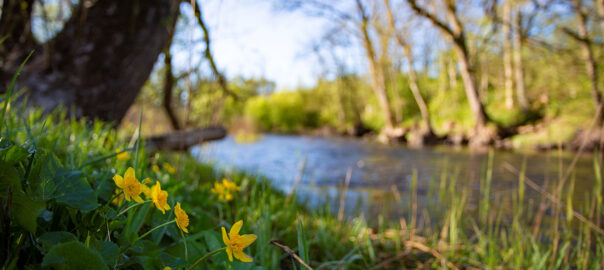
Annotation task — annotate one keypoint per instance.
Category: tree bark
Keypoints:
(413, 85)
(452, 72)
(222, 81)
(518, 65)
(15, 30)
(454, 30)
(101, 58)
(507, 56)
(167, 90)
(183, 140)
(375, 69)
(590, 62)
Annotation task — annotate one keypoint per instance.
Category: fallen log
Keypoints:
(183, 139)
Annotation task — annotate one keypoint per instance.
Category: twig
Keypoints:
(291, 253)
(432, 251)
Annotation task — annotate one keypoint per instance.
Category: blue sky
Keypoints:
(251, 39)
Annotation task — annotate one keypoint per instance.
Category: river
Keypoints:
(381, 174)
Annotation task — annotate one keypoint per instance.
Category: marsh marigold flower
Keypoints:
(222, 192)
(122, 156)
(169, 167)
(130, 185)
(182, 219)
(230, 185)
(236, 243)
(155, 168)
(160, 198)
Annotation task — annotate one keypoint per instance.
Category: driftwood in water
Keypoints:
(184, 139)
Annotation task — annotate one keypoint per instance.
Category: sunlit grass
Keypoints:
(61, 190)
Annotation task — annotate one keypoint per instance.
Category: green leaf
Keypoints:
(73, 255)
(50, 239)
(110, 252)
(14, 154)
(212, 240)
(69, 187)
(24, 210)
(302, 245)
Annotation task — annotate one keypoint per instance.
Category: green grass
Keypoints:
(56, 190)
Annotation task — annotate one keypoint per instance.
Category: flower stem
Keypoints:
(205, 257)
(184, 239)
(130, 207)
(150, 231)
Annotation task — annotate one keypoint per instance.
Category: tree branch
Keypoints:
(208, 54)
(424, 13)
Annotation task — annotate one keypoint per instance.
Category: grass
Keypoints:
(56, 193)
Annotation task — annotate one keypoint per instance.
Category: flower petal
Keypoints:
(247, 239)
(235, 229)
(229, 253)
(225, 239)
(138, 199)
(242, 256)
(119, 181)
(127, 196)
(167, 207)
(130, 173)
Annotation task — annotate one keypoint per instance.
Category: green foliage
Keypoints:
(56, 178)
(285, 112)
(73, 255)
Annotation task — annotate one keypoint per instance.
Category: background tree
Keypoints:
(454, 31)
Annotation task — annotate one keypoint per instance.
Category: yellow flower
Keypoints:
(160, 198)
(155, 168)
(236, 243)
(222, 192)
(167, 268)
(230, 185)
(169, 167)
(122, 156)
(130, 185)
(182, 220)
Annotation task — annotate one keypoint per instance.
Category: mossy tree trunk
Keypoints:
(100, 60)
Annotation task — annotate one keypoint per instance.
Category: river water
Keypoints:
(380, 174)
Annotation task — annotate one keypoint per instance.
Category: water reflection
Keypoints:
(381, 175)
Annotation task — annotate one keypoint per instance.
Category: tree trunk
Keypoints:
(375, 69)
(101, 58)
(452, 73)
(442, 75)
(507, 56)
(469, 81)
(168, 87)
(519, 69)
(413, 85)
(15, 29)
(454, 31)
(590, 63)
(417, 95)
(184, 139)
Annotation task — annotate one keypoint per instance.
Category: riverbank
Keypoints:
(58, 187)
(536, 137)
